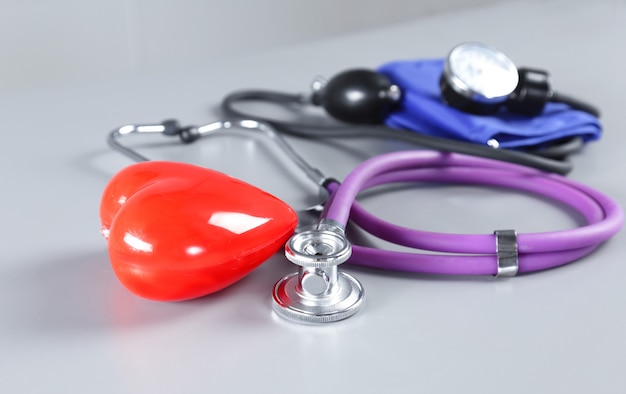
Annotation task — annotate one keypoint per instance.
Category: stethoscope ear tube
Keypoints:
(537, 251)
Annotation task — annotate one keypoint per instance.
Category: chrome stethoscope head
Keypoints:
(319, 292)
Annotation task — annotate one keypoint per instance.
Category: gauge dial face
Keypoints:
(476, 69)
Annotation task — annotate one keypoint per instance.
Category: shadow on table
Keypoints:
(80, 294)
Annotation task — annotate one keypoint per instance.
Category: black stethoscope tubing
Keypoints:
(548, 159)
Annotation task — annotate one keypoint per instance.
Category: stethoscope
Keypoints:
(319, 292)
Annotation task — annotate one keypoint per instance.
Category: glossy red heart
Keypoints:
(177, 231)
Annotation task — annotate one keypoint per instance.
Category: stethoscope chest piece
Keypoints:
(318, 292)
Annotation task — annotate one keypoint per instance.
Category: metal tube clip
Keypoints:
(507, 253)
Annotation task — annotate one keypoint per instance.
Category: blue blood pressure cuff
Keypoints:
(421, 109)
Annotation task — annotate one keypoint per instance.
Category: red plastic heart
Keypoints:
(177, 231)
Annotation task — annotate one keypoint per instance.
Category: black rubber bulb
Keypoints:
(358, 96)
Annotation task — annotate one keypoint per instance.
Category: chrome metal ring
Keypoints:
(290, 301)
(507, 253)
(318, 249)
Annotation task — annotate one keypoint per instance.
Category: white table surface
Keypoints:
(68, 326)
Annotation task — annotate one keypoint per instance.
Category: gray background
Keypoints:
(67, 325)
(64, 40)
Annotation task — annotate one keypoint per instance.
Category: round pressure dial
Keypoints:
(477, 77)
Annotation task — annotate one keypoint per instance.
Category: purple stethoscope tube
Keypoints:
(469, 254)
